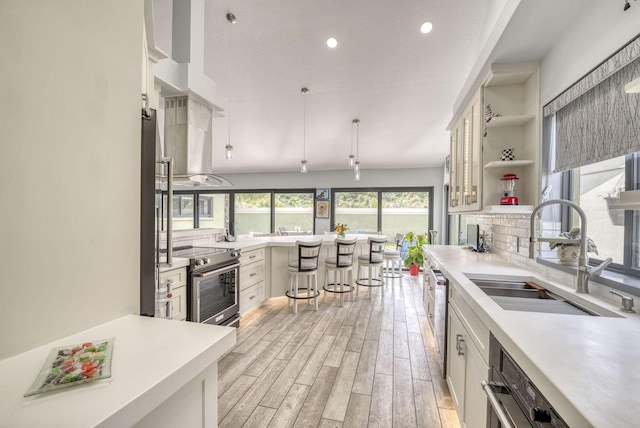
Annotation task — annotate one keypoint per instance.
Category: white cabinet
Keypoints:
(465, 172)
(513, 92)
(429, 291)
(252, 279)
(176, 280)
(468, 342)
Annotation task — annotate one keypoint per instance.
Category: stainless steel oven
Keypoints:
(515, 402)
(212, 284)
(214, 295)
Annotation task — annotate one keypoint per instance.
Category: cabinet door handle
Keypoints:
(253, 257)
(253, 274)
(459, 344)
(252, 297)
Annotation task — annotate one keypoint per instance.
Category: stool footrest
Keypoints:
(348, 288)
(370, 282)
(299, 297)
(392, 275)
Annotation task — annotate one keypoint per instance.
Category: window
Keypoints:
(390, 211)
(183, 211)
(596, 188)
(252, 213)
(294, 211)
(358, 210)
(213, 210)
(404, 212)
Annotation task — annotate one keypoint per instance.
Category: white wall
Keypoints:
(594, 35)
(409, 177)
(69, 168)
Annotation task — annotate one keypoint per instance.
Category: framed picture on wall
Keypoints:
(322, 209)
(322, 194)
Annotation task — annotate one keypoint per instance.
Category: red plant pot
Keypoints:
(414, 270)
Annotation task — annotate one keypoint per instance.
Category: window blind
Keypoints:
(595, 119)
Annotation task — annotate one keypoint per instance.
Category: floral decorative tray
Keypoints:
(74, 365)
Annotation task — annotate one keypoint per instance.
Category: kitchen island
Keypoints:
(163, 374)
(586, 366)
(281, 249)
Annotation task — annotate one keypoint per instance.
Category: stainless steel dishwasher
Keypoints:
(441, 285)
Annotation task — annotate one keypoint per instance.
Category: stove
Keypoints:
(212, 284)
(207, 258)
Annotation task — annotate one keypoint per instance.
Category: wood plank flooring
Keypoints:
(370, 363)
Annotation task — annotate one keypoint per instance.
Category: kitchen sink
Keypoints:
(515, 295)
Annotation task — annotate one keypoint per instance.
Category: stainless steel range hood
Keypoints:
(188, 141)
(189, 101)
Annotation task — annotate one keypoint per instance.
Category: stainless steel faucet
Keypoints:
(584, 270)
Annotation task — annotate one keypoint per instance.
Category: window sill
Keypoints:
(619, 281)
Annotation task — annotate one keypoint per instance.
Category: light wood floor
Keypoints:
(368, 363)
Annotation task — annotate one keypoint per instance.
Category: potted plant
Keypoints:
(568, 253)
(415, 254)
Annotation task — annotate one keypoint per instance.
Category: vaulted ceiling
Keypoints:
(401, 84)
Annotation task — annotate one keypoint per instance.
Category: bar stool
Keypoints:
(340, 266)
(373, 263)
(392, 259)
(306, 266)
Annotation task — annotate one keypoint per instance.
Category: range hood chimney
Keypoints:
(187, 140)
(188, 100)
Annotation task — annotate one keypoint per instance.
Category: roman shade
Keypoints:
(595, 118)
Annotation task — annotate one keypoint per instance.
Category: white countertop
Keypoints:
(290, 241)
(152, 359)
(587, 367)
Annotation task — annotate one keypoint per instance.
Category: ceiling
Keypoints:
(401, 84)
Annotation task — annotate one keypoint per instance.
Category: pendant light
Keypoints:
(356, 166)
(352, 158)
(228, 149)
(303, 163)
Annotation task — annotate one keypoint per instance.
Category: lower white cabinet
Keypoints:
(252, 275)
(466, 369)
(177, 280)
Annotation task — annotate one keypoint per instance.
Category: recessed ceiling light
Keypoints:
(332, 42)
(426, 27)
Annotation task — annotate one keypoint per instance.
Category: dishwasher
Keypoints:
(441, 285)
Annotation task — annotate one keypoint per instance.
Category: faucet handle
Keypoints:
(627, 302)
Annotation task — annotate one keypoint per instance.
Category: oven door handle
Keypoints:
(216, 271)
(495, 404)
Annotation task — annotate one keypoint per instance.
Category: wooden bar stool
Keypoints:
(340, 265)
(306, 266)
(373, 263)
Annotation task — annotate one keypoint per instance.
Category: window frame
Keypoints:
(632, 182)
(380, 191)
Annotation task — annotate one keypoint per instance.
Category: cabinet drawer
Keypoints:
(178, 277)
(251, 256)
(251, 297)
(251, 274)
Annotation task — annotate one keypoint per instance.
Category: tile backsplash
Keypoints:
(508, 236)
(193, 237)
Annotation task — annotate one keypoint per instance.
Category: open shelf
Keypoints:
(509, 164)
(508, 209)
(514, 120)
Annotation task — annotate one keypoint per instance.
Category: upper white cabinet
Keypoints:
(465, 171)
(513, 92)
